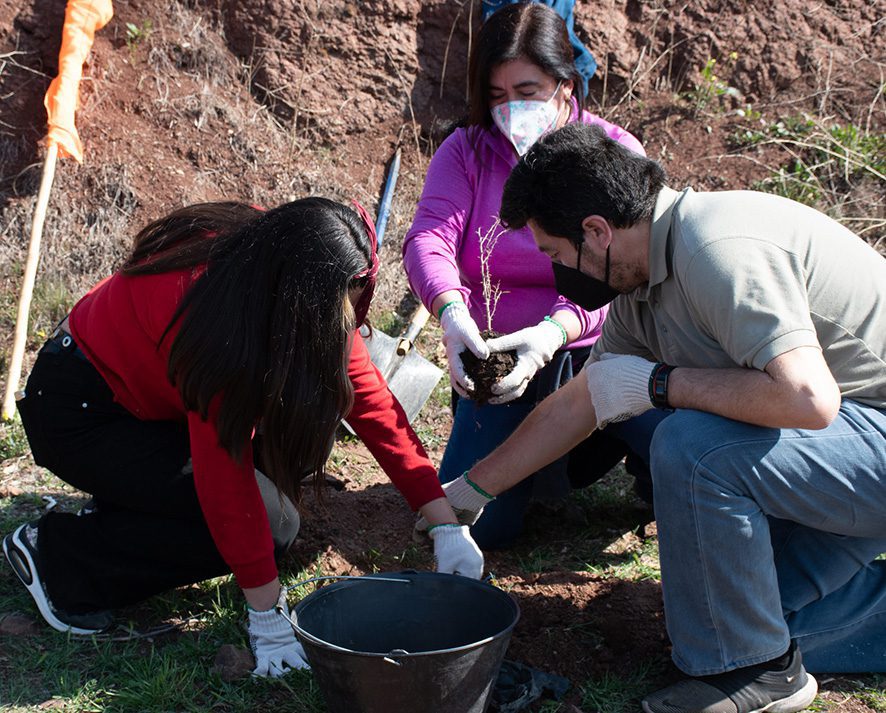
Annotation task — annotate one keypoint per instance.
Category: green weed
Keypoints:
(539, 559)
(838, 168)
(389, 322)
(429, 435)
(52, 301)
(871, 691)
(13, 441)
(441, 396)
(711, 88)
(137, 34)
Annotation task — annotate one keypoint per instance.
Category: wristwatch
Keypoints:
(658, 385)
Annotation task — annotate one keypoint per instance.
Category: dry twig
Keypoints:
(491, 293)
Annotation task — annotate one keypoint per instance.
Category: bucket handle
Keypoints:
(303, 582)
(395, 652)
(282, 605)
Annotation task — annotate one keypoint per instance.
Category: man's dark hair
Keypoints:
(575, 172)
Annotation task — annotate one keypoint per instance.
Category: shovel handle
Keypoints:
(418, 321)
(384, 208)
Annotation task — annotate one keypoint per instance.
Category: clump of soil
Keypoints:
(485, 372)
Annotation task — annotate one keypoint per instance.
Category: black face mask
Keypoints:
(586, 291)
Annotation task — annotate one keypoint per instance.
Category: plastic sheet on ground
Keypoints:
(518, 685)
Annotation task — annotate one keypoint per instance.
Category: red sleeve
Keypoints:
(231, 504)
(380, 422)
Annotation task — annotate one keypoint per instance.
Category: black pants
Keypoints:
(148, 534)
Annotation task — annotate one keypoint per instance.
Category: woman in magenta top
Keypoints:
(190, 393)
(523, 82)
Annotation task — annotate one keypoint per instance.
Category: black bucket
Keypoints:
(409, 642)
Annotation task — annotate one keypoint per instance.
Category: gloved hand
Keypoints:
(455, 551)
(273, 643)
(619, 387)
(465, 499)
(460, 332)
(535, 347)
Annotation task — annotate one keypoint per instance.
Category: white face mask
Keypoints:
(523, 122)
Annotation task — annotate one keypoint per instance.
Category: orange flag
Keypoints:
(82, 19)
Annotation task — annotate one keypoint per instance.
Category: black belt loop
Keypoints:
(61, 341)
(60, 328)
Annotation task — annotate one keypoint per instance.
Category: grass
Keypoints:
(600, 530)
(390, 322)
(166, 673)
(618, 694)
(109, 676)
(173, 672)
(838, 168)
(170, 672)
(638, 563)
(834, 694)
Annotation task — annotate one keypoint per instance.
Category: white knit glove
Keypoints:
(274, 644)
(460, 332)
(619, 387)
(465, 499)
(455, 551)
(535, 347)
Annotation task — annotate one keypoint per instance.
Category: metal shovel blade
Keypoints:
(412, 378)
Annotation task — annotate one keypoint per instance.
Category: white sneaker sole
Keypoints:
(19, 558)
(797, 702)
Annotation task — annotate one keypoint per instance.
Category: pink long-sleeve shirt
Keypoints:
(459, 203)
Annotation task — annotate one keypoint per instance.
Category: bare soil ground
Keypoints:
(263, 100)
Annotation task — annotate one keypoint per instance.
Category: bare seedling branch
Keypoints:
(491, 293)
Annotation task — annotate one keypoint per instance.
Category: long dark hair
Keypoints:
(531, 31)
(266, 327)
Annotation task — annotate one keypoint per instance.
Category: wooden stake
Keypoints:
(24, 303)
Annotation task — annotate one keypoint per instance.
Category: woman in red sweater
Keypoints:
(190, 393)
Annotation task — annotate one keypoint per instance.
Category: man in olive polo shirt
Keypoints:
(758, 327)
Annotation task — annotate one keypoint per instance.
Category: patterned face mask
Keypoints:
(523, 122)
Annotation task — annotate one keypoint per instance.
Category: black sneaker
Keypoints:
(20, 549)
(745, 690)
(88, 508)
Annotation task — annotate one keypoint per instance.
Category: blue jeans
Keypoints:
(479, 430)
(767, 535)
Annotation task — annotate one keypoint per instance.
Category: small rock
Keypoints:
(16, 624)
(232, 662)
